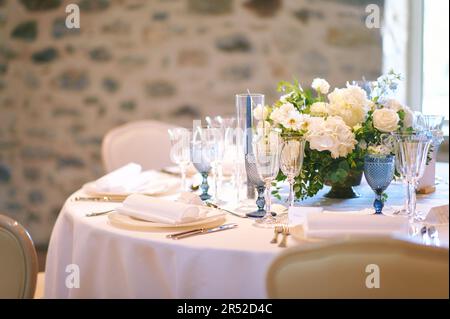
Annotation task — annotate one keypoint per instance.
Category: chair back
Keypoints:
(360, 269)
(18, 261)
(144, 142)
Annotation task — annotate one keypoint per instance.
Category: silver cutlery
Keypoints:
(285, 232)
(212, 205)
(276, 232)
(113, 199)
(99, 213)
(203, 231)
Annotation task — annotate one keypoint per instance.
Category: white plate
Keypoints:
(130, 223)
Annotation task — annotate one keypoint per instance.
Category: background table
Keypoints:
(117, 263)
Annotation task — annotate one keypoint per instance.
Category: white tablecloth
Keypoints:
(117, 263)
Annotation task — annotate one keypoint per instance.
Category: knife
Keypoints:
(209, 204)
(203, 231)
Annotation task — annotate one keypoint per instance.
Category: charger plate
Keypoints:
(131, 223)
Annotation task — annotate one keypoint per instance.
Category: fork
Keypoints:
(99, 213)
(285, 232)
(276, 232)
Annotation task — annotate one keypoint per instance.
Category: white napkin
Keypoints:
(160, 210)
(131, 179)
(325, 225)
(189, 198)
(121, 180)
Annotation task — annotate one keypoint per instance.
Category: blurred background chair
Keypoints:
(144, 142)
(18, 261)
(338, 270)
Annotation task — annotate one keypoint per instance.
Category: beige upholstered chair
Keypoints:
(346, 269)
(18, 261)
(144, 142)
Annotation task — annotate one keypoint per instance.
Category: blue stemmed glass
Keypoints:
(379, 172)
(203, 151)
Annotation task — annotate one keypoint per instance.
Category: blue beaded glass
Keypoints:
(379, 172)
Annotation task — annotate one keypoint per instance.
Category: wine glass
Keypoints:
(217, 165)
(267, 147)
(291, 160)
(379, 172)
(203, 152)
(180, 139)
(413, 149)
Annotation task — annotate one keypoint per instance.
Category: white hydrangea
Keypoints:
(330, 134)
(350, 103)
(321, 86)
(319, 109)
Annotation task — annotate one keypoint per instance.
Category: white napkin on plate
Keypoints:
(121, 180)
(131, 179)
(161, 211)
(324, 225)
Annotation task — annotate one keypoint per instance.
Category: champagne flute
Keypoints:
(267, 147)
(180, 151)
(291, 160)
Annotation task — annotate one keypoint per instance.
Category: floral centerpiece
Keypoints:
(340, 128)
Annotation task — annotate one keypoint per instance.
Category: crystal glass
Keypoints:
(180, 154)
(413, 149)
(219, 152)
(291, 160)
(379, 172)
(267, 147)
(246, 105)
(203, 153)
(398, 167)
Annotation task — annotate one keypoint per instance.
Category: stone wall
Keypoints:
(61, 90)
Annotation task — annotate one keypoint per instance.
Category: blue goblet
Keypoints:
(379, 172)
(203, 151)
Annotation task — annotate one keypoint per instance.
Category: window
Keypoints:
(435, 58)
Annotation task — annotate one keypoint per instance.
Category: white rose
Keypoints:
(330, 134)
(319, 109)
(395, 105)
(351, 104)
(386, 120)
(260, 113)
(321, 86)
(408, 121)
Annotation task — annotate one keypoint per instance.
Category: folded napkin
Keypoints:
(326, 225)
(121, 180)
(161, 211)
(131, 179)
(189, 198)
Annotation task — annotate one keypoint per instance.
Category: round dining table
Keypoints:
(88, 257)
